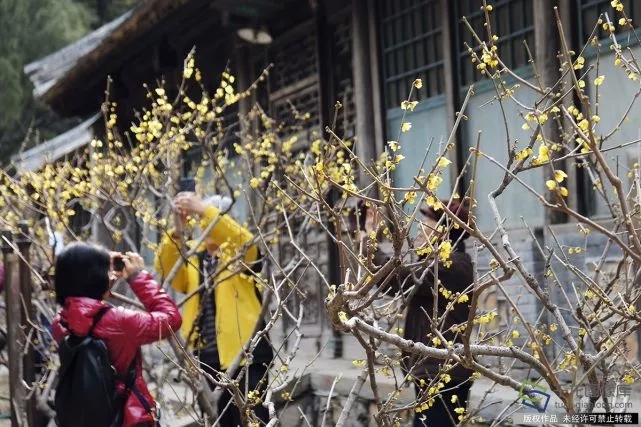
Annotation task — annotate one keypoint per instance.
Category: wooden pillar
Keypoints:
(567, 10)
(547, 48)
(27, 319)
(248, 125)
(377, 80)
(361, 65)
(450, 72)
(13, 309)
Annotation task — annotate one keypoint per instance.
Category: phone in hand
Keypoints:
(187, 185)
(118, 264)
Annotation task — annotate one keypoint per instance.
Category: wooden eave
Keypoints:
(88, 62)
(88, 56)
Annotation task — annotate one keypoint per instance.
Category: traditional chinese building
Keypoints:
(365, 54)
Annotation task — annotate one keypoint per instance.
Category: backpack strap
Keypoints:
(94, 322)
(130, 385)
(97, 317)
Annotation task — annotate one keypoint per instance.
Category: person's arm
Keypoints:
(166, 256)
(162, 316)
(57, 331)
(228, 233)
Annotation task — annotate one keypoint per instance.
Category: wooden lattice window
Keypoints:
(591, 10)
(511, 20)
(411, 38)
(293, 81)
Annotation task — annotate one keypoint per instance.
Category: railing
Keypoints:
(21, 325)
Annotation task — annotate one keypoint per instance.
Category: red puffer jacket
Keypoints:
(124, 332)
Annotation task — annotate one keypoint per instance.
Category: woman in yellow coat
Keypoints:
(219, 319)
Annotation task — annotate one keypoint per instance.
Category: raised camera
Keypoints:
(118, 263)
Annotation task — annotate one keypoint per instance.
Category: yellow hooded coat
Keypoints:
(237, 303)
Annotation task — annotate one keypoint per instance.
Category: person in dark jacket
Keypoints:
(83, 278)
(455, 277)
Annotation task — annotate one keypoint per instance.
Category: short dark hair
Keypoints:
(82, 270)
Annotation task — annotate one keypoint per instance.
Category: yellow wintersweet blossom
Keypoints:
(433, 181)
(559, 175)
(486, 318)
(543, 155)
(564, 191)
(406, 126)
(599, 80)
(393, 145)
(446, 293)
(489, 57)
(551, 184)
(583, 125)
(444, 162)
(410, 197)
(445, 251)
(189, 67)
(418, 83)
(254, 182)
(541, 118)
(580, 62)
(409, 105)
(608, 27)
(524, 154)
(617, 5)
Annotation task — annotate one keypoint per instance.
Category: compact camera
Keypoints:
(118, 264)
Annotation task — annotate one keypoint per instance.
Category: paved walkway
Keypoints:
(338, 376)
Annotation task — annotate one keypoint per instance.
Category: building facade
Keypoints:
(366, 54)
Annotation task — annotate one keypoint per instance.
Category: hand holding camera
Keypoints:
(127, 264)
(187, 202)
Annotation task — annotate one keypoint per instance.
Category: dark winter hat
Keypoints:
(455, 207)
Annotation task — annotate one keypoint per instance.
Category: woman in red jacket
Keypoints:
(83, 277)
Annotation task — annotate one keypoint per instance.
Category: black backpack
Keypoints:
(86, 393)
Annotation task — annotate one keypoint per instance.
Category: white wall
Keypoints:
(616, 93)
(485, 116)
(429, 124)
